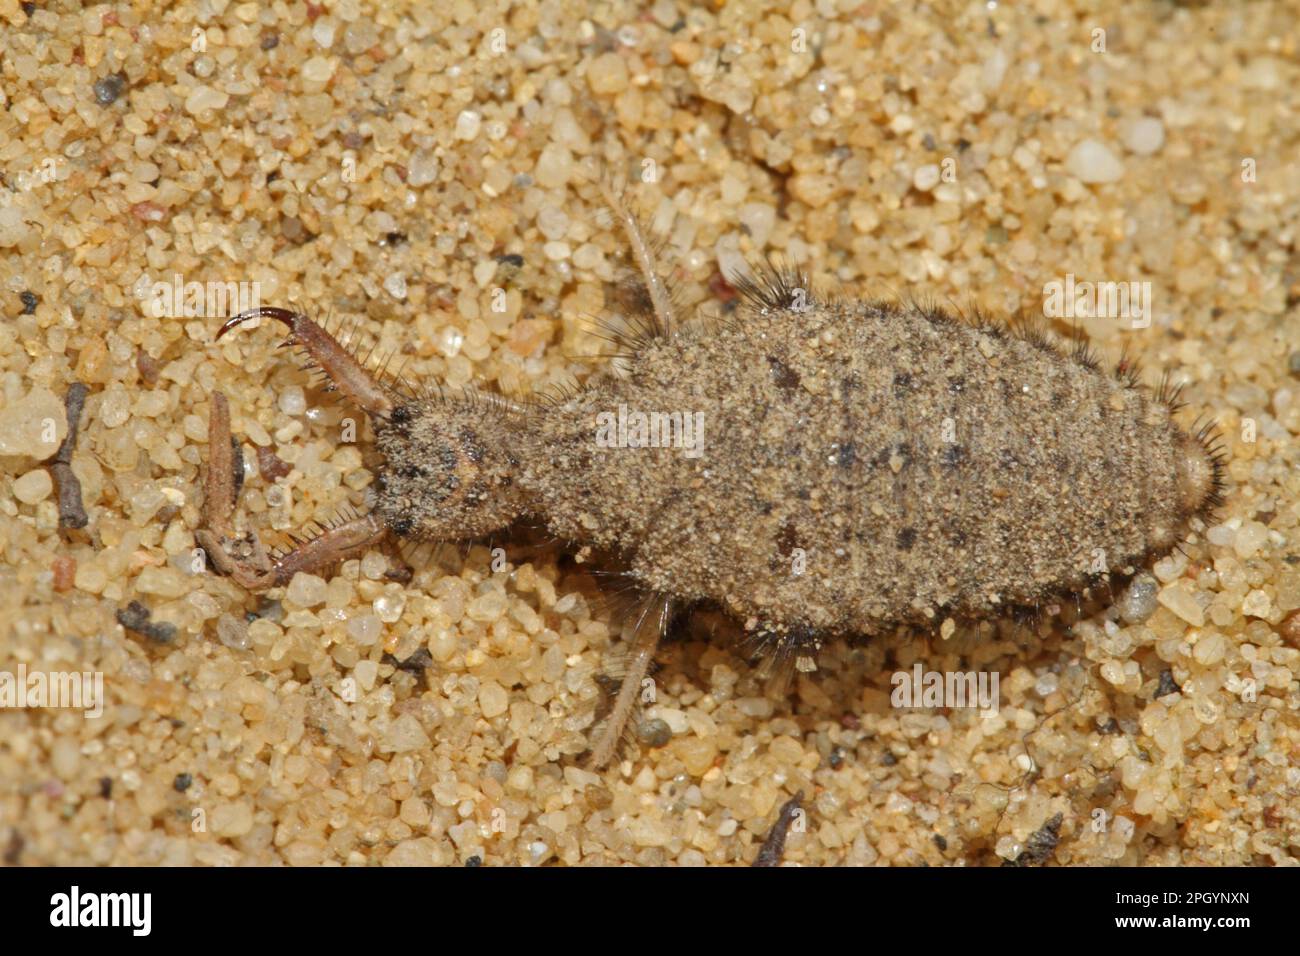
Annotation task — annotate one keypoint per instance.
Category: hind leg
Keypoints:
(784, 648)
(651, 624)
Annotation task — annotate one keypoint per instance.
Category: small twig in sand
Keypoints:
(72, 513)
(770, 853)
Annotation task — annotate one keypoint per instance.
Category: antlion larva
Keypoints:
(832, 468)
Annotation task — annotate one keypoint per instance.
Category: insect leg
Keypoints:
(343, 540)
(219, 487)
(243, 557)
(644, 255)
(651, 625)
(783, 649)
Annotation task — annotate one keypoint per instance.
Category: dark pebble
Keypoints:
(269, 464)
(182, 782)
(417, 663)
(1041, 844)
(654, 732)
(268, 609)
(14, 849)
(29, 302)
(148, 367)
(135, 617)
(108, 89)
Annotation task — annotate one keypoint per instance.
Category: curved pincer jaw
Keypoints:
(340, 366)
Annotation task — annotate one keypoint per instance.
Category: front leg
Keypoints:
(243, 557)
